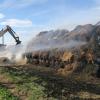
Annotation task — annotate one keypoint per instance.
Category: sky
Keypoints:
(28, 17)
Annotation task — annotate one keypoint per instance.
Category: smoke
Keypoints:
(54, 39)
(68, 45)
(12, 54)
(48, 40)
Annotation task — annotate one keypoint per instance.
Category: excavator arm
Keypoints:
(13, 34)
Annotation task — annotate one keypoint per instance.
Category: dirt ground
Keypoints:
(31, 82)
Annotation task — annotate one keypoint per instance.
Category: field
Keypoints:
(30, 82)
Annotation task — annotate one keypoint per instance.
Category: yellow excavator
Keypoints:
(13, 34)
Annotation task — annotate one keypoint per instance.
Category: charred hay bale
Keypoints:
(28, 56)
(86, 57)
(50, 58)
(36, 58)
(90, 56)
(44, 56)
(98, 72)
(32, 57)
(40, 58)
(82, 58)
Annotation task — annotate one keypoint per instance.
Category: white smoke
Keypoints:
(47, 41)
(14, 54)
(60, 39)
(44, 41)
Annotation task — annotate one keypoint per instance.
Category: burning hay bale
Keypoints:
(68, 57)
(51, 58)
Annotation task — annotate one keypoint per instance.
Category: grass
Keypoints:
(6, 95)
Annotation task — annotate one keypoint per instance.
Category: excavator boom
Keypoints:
(13, 34)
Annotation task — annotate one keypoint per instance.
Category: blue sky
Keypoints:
(28, 17)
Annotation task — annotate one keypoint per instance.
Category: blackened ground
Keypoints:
(30, 82)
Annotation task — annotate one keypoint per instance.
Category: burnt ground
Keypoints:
(33, 82)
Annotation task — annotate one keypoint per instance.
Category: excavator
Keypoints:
(13, 34)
